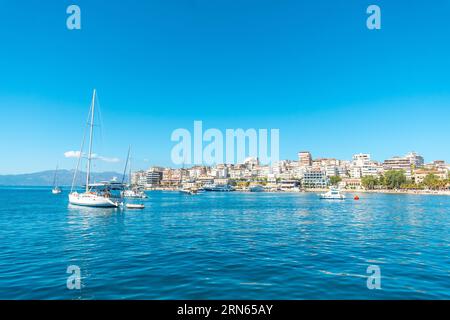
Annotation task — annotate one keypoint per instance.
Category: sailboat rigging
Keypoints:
(95, 194)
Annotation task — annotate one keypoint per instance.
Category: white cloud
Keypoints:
(76, 154)
(72, 154)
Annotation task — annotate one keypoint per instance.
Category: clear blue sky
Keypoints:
(310, 68)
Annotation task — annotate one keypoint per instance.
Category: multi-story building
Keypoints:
(415, 159)
(439, 164)
(263, 171)
(398, 163)
(304, 159)
(196, 171)
(315, 178)
(251, 162)
(350, 183)
(420, 174)
(139, 178)
(331, 171)
(154, 177)
(362, 166)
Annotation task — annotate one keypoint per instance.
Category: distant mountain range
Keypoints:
(64, 178)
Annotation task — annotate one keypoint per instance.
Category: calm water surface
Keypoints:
(224, 246)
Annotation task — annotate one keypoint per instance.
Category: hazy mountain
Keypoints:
(64, 178)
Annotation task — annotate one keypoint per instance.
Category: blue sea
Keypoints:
(225, 246)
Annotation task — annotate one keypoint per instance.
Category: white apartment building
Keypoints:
(362, 166)
(415, 159)
(139, 178)
(398, 163)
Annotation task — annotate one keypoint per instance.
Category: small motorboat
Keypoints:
(333, 194)
(218, 187)
(190, 191)
(135, 206)
(256, 188)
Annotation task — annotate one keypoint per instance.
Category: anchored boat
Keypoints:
(103, 195)
(135, 206)
(218, 188)
(333, 194)
(256, 188)
(56, 189)
(132, 192)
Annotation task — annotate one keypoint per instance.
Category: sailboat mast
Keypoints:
(126, 165)
(91, 132)
(54, 177)
(129, 175)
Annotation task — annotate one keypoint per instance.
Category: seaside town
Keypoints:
(408, 173)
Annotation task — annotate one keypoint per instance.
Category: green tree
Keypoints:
(334, 180)
(433, 182)
(382, 181)
(394, 179)
(369, 182)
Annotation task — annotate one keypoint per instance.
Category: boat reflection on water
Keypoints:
(87, 221)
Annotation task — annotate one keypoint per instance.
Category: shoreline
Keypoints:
(319, 190)
(355, 191)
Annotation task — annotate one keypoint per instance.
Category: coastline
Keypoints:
(355, 191)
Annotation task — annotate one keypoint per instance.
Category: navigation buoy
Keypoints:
(356, 198)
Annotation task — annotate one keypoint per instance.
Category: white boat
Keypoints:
(56, 189)
(190, 191)
(93, 199)
(333, 194)
(95, 195)
(133, 192)
(218, 188)
(135, 206)
(256, 188)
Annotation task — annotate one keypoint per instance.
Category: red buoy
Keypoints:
(356, 198)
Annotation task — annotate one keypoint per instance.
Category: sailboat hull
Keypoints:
(92, 200)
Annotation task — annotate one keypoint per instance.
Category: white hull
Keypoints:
(332, 198)
(56, 191)
(135, 206)
(256, 189)
(333, 194)
(92, 200)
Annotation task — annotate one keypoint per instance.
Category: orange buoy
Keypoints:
(356, 198)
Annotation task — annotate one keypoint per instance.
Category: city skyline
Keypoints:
(407, 172)
(330, 85)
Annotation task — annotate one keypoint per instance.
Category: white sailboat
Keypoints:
(95, 195)
(131, 191)
(56, 189)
